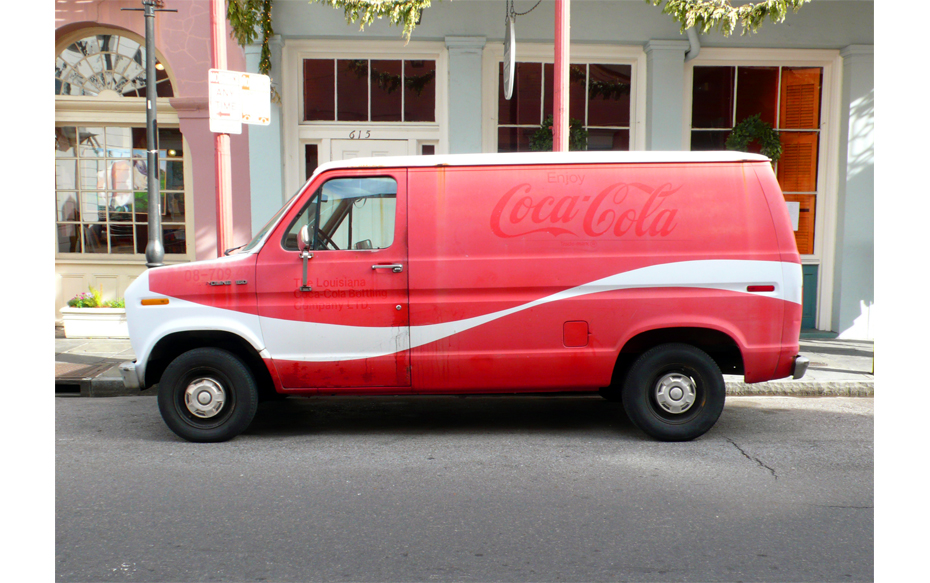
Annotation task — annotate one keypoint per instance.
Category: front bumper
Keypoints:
(131, 375)
(799, 367)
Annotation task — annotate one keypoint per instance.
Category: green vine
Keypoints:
(753, 129)
(705, 15)
(541, 140)
(248, 18)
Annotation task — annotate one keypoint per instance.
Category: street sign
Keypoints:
(237, 98)
(256, 98)
(225, 102)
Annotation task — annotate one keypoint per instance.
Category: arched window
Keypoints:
(107, 62)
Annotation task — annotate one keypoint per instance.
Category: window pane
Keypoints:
(95, 238)
(514, 139)
(386, 91)
(319, 90)
(800, 98)
(355, 213)
(712, 97)
(352, 90)
(65, 140)
(576, 97)
(797, 167)
(174, 239)
(173, 174)
(120, 175)
(311, 160)
(599, 139)
(119, 142)
(140, 144)
(704, 140)
(120, 206)
(757, 92)
(524, 105)
(68, 240)
(609, 95)
(173, 210)
(170, 143)
(66, 206)
(121, 239)
(93, 174)
(419, 90)
(142, 237)
(66, 174)
(94, 206)
(90, 142)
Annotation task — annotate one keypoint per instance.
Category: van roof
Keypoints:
(515, 159)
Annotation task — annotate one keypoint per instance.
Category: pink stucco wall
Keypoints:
(184, 44)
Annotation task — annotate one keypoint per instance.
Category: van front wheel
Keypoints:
(207, 394)
(674, 392)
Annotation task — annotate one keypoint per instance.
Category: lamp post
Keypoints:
(560, 83)
(154, 249)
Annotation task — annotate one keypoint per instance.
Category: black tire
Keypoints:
(674, 392)
(210, 373)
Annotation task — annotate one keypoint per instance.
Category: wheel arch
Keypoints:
(721, 346)
(175, 344)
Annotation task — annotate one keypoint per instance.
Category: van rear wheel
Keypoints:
(674, 392)
(207, 395)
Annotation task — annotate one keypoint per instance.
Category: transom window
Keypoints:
(102, 62)
(599, 97)
(369, 90)
(788, 98)
(101, 190)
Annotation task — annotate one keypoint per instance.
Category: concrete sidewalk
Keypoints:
(88, 367)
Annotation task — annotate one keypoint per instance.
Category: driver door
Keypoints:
(339, 318)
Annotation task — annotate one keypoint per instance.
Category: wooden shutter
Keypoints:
(797, 167)
(800, 98)
(804, 236)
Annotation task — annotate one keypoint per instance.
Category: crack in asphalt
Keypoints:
(754, 459)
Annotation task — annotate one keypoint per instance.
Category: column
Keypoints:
(854, 276)
(266, 157)
(465, 93)
(665, 78)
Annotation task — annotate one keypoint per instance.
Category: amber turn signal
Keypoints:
(155, 302)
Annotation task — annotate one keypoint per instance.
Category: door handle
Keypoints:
(395, 267)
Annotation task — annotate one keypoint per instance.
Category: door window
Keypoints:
(352, 214)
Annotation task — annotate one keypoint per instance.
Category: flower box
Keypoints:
(95, 322)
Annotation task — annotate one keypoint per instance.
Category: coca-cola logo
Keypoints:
(619, 209)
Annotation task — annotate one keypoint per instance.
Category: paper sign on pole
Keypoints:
(225, 104)
(256, 98)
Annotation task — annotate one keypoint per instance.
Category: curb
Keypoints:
(802, 389)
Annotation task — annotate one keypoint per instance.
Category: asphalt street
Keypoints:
(466, 489)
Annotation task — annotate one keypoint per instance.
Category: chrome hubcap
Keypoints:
(675, 393)
(204, 397)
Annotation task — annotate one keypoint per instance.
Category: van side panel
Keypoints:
(502, 258)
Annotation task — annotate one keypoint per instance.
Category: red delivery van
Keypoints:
(645, 276)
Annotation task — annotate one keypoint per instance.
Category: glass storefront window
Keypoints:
(101, 190)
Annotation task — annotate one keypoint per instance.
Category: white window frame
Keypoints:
(297, 132)
(827, 191)
(578, 54)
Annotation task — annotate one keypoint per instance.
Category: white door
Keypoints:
(346, 149)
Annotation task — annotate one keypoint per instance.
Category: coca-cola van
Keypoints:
(644, 276)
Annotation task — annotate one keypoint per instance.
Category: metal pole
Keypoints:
(155, 250)
(221, 141)
(560, 83)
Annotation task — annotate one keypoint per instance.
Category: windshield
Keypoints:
(271, 223)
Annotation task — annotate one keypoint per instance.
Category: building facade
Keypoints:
(636, 83)
(101, 174)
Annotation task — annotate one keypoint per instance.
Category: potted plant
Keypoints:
(541, 140)
(89, 316)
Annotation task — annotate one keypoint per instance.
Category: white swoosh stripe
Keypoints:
(313, 342)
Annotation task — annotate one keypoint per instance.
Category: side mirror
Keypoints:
(303, 239)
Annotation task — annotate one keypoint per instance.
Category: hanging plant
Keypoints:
(753, 129)
(541, 140)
